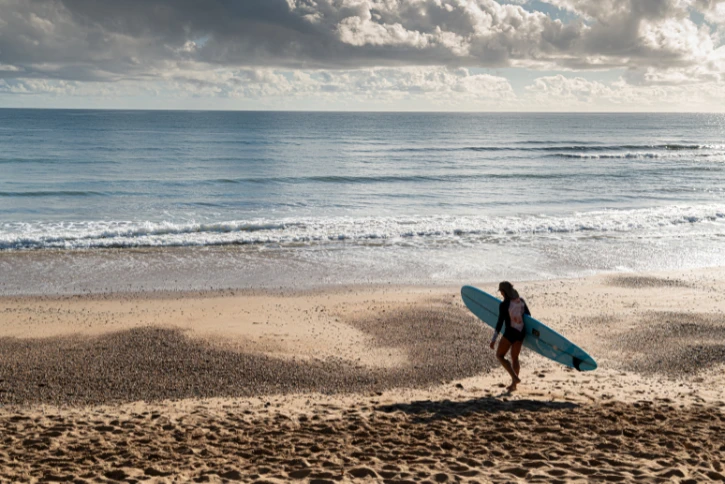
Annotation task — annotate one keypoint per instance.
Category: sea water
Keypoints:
(140, 200)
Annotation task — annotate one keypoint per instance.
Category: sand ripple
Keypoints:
(479, 440)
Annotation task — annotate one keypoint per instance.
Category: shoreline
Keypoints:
(321, 287)
(216, 269)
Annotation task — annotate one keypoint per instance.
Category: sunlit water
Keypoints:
(110, 200)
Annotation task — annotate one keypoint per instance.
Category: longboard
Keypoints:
(539, 337)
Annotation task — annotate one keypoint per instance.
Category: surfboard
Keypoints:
(539, 337)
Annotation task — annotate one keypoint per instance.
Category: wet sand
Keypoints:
(363, 384)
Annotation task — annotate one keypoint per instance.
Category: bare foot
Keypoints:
(514, 384)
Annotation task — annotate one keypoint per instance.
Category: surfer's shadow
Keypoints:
(428, 410)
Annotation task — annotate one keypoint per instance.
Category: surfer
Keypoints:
(511, 313)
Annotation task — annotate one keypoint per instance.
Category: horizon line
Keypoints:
(335, 111)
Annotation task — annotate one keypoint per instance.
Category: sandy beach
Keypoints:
(363, 384)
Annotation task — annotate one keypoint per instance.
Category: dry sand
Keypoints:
(363, 384)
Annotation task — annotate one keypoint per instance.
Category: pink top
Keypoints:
(516, 313)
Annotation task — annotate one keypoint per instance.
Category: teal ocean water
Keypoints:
(256, 199)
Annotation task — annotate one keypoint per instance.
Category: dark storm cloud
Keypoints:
(132, 39)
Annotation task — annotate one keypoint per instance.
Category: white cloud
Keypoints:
(362, 31)
(678, 40)
(415, 88)
(576, 93)
(433, 86)
(40, 86)
(363, 50)
(713, 10)
(100, 39)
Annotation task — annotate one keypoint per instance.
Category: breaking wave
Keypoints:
(363, 231)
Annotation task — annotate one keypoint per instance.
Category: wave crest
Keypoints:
(363, 231)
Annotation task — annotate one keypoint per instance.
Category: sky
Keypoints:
(364, 55)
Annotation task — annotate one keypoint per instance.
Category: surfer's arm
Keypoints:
(499, 324)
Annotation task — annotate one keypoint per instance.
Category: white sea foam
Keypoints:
(303, 232)
(640, 155)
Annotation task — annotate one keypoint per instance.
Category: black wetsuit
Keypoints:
(510, 333)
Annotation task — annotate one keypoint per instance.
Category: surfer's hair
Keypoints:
(508, 290)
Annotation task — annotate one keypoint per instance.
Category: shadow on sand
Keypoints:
(428, 410)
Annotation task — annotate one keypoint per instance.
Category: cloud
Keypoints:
(552, 92)
(713, 10)
(414, 88)
(372, 88)
(365, 52)
(110, 40)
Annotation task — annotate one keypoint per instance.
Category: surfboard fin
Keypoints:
(577, 362)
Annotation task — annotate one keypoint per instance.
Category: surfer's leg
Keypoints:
(515, 350)
(503, 348)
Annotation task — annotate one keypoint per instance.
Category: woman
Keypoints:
(511, 313)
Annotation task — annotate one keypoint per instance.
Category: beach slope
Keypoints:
(368, 384)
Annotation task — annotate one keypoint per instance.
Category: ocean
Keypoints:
(97, 200)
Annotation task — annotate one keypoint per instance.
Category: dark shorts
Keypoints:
(513, 336)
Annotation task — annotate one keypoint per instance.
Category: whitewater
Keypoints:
(250, 199)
